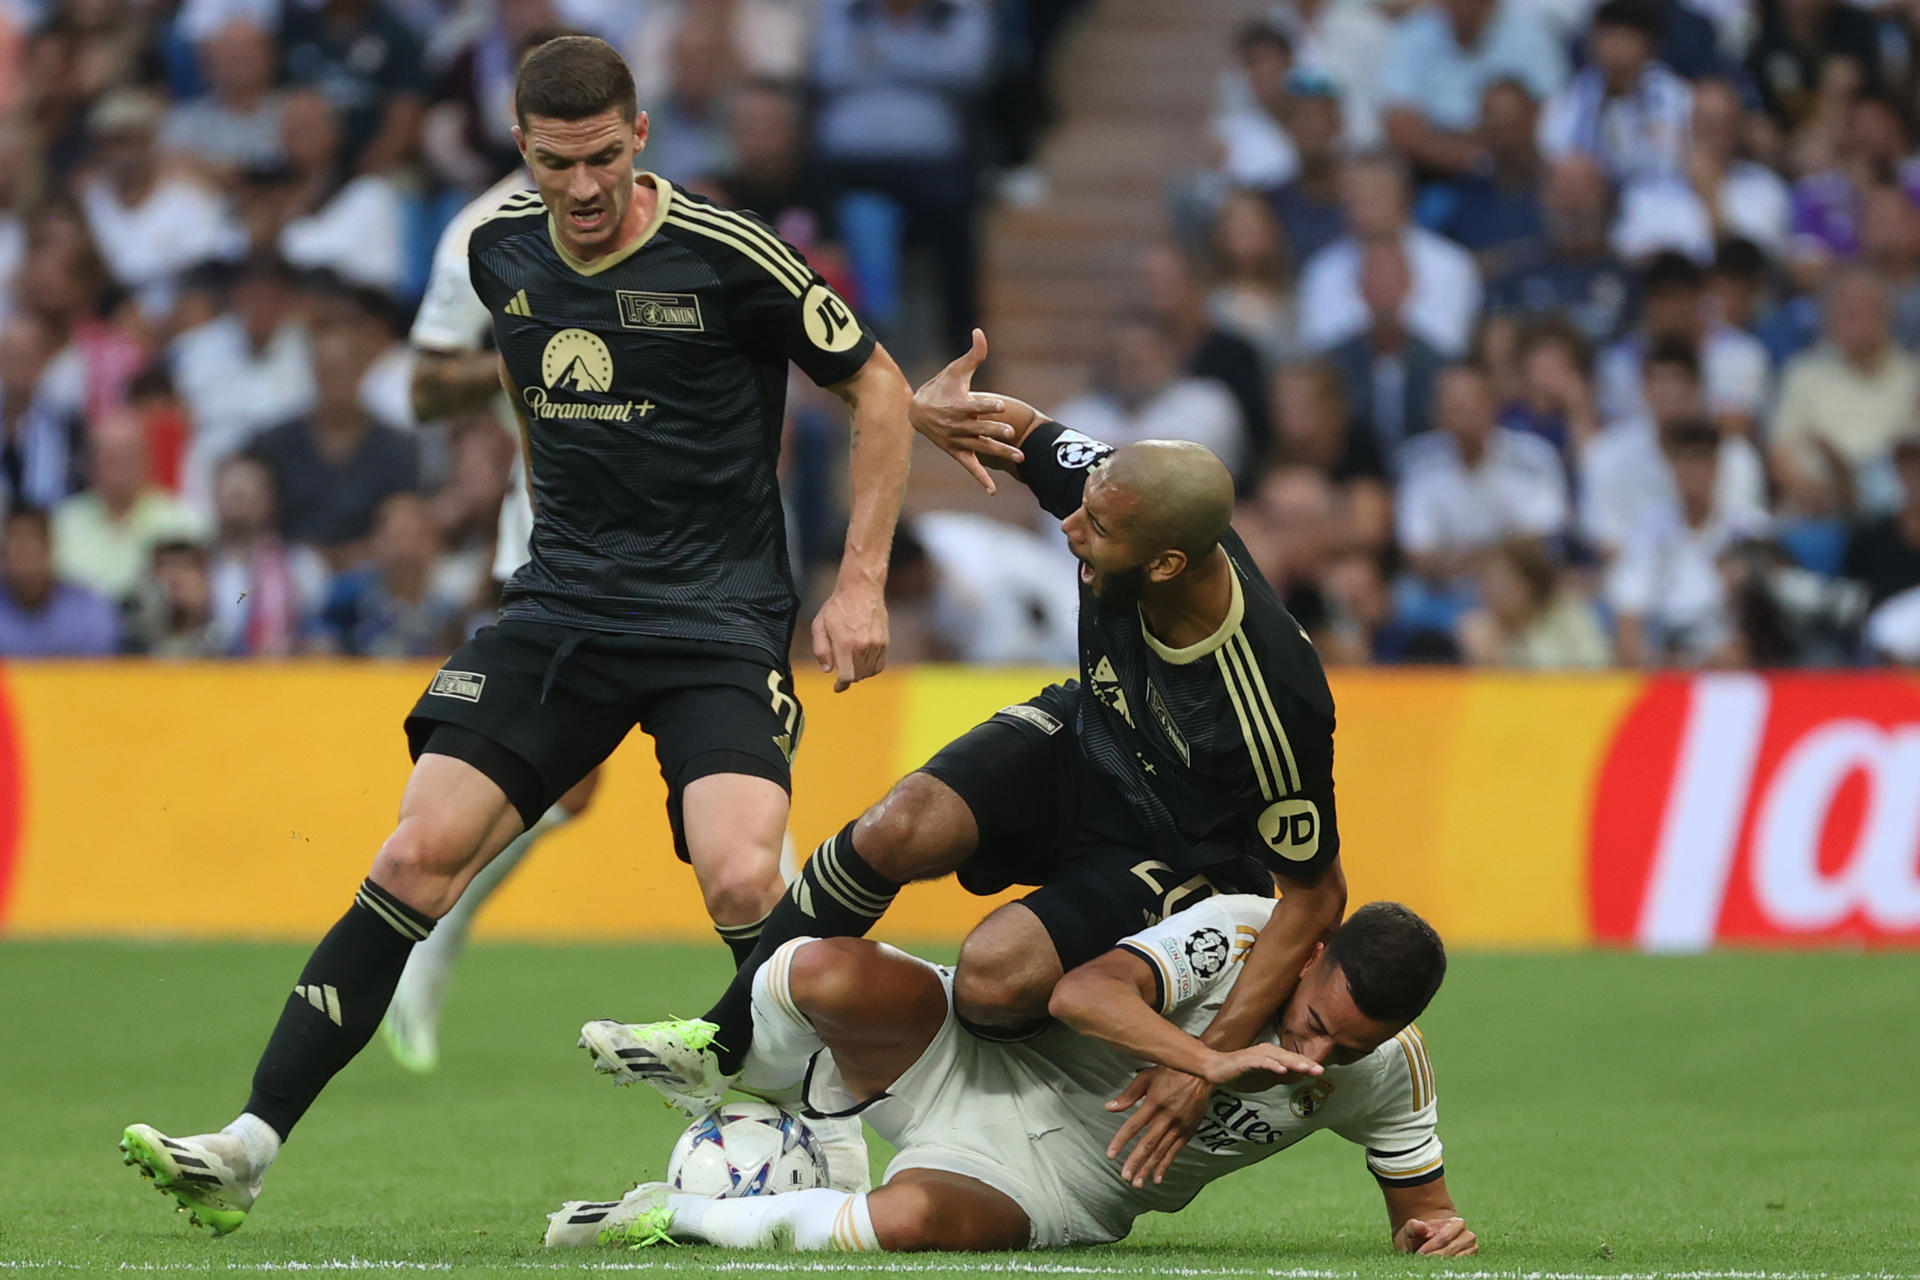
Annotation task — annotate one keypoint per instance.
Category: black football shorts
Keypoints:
(1046, 819)
(537, 707)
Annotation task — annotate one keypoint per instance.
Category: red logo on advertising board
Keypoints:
(1747, 808)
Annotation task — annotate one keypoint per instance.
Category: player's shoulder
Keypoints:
(1191, 948)
(739, 245)
(512, 213)
(1399, 1069)
(511, 191)
(1270, 639)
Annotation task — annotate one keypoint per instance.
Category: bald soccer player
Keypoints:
(1193, 757)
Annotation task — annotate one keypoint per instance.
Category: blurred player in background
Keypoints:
(645, 336)
(1011, 1146)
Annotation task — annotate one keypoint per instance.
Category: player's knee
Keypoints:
(904, 836)
(907, 1218)
(422, 862)
(741, 890)
(998, 987)
(824, 976)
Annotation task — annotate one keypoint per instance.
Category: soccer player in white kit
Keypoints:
(1018, 1145)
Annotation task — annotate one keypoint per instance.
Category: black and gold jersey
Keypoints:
(653, 383)
(1222, 748)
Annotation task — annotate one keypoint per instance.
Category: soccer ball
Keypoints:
(746, 1149)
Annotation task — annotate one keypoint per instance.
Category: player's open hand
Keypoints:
(1259, 1067)
(948, 411)
(1170, 1105)
(1436, 1237)
(850, 634)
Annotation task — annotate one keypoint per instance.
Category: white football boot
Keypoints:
(676, 1057)
(639, 1218)
(208, 1174)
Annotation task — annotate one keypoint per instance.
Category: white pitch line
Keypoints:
(848, 1267)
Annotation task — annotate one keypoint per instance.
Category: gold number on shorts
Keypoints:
(1173, 897)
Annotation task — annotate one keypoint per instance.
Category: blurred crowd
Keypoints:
(1542, 333)
(217, 217)
(1556, 333)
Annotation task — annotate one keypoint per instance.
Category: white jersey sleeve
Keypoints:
(1194, 954)
(1398, 1128)
(451, 316)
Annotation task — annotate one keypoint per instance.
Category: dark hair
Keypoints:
(1670, 270)
(1740, 259)
(1393, 960)
(1694, 437)
(1555, 330)
(1675, 351)
(1253, 34)
(573, 77)
(1640, 15)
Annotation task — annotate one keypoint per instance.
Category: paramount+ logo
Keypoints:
(1745, 808)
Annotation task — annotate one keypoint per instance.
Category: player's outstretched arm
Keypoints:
(1424, 1220)
(977, 429)
(850, 631)
(1111, 998)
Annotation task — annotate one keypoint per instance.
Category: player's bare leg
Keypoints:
(877, 1010)
(1008, 968)
(411, 1028)
(453, 820)
(736, 827)
(923, 1209)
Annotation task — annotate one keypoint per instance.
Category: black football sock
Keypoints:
(343, 993)
(740, 939)
(836, 895)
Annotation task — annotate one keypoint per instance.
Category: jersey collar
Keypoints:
(619, 256)
(1199, 649)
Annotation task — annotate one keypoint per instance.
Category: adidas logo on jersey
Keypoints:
(517, 305)
(325, 999)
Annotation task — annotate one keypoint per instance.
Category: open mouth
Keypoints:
(588, 219)
(1086, 573)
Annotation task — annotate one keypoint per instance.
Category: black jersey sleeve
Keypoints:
(1058, 460)
(779, 306)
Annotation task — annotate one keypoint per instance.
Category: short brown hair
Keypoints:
(572, 78)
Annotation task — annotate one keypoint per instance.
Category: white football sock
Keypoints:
(804, 1221)
(423, 984)
(257, 1139)
(783, 1039)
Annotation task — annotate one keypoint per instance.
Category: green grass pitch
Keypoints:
(1605, 1115)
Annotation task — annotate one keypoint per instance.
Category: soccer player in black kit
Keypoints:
(644, 336)
(1194, 756)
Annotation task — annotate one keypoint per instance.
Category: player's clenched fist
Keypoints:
(1436, 1237)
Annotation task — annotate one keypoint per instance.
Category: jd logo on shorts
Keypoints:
(464, 685)
(1291, 829)
(640, 310)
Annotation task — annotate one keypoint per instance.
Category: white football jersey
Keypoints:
(1383, 1103)
(452, 320)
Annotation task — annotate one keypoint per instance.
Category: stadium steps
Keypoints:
(1136, 80)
